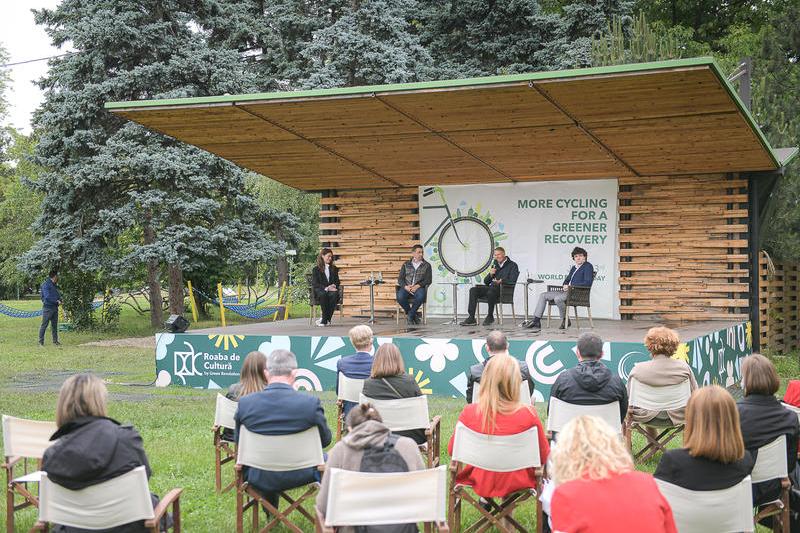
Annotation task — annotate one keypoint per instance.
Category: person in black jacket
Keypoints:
(390, 381)
(496, 344)
(325, 283)
(713, 456)
(591, 382)
(413, 280)
(504, 272)
(89, 447)
(764, 419)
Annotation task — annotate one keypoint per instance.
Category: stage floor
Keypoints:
(609, 330)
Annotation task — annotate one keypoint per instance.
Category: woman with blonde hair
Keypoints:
(597, 488)
(713, 455)
(390, 381)
(499, 412)
(89, 447)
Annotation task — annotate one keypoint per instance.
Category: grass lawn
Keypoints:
(175, 422)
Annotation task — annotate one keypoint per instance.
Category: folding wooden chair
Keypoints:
(107, 505)
(561, 412)
(349, 391)
(277, 453)
(495, 453)
(224, 451)
(24, 441)
(666, 398)
(771, 464)
(372, 499)
(703, 511)
(412, 413)
(525, 397)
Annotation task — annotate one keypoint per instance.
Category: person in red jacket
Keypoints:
(499, 412)
(597, 488)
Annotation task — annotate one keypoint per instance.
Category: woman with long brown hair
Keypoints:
(252, 378)
(500, 412)
(326, 285)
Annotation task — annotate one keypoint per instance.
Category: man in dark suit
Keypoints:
(580, 275)
(504, 273)
(496, 344)
(281, 410)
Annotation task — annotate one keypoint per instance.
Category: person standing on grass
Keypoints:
(51, 299)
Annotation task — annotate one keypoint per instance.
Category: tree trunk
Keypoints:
(283, 262)
(176, 295)
(153, 282)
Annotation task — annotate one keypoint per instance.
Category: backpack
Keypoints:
(385, 459)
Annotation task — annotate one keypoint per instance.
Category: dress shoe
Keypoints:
(565, 323)
(470, 321)
(488, 321)
(536, 324)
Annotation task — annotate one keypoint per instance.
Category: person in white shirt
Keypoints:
(580, 275)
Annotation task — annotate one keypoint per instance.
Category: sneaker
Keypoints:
(470, 321)
(320, 323)
(56, 343)
(41, 344)
(417, 320)
(488, 321)
(410, 321)
(535, 324)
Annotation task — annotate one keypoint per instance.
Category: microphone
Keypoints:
(496, 267)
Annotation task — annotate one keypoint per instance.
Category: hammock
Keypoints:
(250, 311)
(19, 313)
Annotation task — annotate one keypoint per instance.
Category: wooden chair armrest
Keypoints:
(172, 497)
(436, 425)
(40, 526)
(319, 523)
(442, 527)
(11, 461)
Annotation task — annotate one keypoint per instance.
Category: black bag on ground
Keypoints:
(385, 459)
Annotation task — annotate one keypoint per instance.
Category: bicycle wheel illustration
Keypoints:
(469, 253)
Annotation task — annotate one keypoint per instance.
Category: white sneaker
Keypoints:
(319, 322)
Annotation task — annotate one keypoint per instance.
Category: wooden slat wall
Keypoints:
(683, 247)
(374, 232)
(778, 305)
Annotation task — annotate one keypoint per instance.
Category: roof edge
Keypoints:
(368, 90)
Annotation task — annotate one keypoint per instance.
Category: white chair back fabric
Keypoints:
(372, 499)
(225, 412)
(721, 511)
(280, 453)
(349, 388)
(561, 412)
(524, 393)
(118, 501)
(26, 438)
(403, 413)
(666, 398)
(496, 453)
(771, 461)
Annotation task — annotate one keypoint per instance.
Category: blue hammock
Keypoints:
(19, 313)
(250, 311)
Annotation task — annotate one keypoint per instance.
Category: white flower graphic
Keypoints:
(439, 351)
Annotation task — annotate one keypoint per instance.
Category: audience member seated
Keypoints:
(661, 371)
(591, 382)
(764, 419)
(369, 446)
(359, 365)
(499, 412)
(597, 488)
(792, 394)
(281, 410)
(89, 447)
(713, 455)
(251, 379)
(390, 381)
(496, 344)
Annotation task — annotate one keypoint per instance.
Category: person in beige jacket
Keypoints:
(661, 371)
(365, 429)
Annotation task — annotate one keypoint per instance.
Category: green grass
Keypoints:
(175, 422)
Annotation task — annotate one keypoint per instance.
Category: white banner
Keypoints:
(538, 224)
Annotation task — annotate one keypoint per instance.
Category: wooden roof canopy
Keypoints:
(673, 117)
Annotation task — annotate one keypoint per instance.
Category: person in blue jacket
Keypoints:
(51, 299)
(580, 275)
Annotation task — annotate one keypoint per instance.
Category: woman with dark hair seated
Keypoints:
(390, 381)
(764, 419)
(325, 284)
(89, 447)
(713, 456)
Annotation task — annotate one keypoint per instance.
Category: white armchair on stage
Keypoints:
(373, 499)
(707, 511)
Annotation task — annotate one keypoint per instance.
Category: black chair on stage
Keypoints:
(423, 310)
(313, 301)
(576, 297)
(506, 297)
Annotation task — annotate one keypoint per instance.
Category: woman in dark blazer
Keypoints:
(390, 381)
(713, 456)
(326, 285)
(764, 419)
